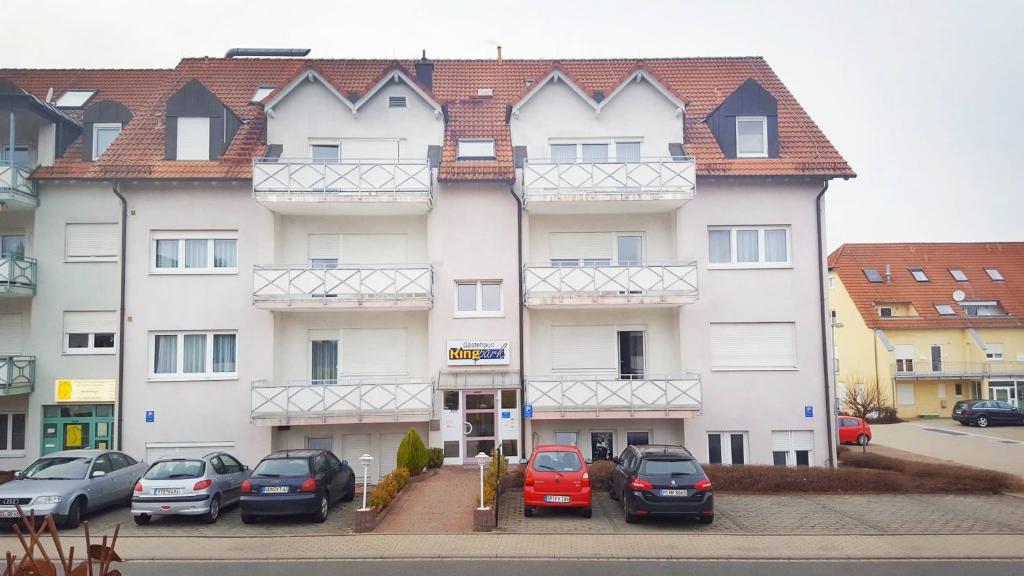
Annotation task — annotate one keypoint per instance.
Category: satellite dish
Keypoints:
(958, 295)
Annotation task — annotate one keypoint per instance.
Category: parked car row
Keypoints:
(71, 483)
(984, 413)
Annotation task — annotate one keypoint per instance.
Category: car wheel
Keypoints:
(321, 516)
(982, 422)
(142, 519)
(863, 440)
(74, 516)
(630, 518)
(528, 512)
(350, 490)
(587, 512)
(214, 513)
(612, 494)
(707, 519)
(248, 518)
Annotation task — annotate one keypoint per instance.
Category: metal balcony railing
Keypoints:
(15, 183)
(17, 274)
(397, 398)
(383, 179)
(613, 280)
(924, 369)
(17, 374)
(365, 283)
(658, 178)
(600, 393)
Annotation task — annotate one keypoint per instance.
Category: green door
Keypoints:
(77, 426)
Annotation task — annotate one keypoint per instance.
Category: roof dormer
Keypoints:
(103, 122)
(746, 124)
(198, 125)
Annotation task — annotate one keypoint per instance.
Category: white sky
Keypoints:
(921, 97)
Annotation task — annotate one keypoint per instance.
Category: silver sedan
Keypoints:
(189, 486)
(69, 483)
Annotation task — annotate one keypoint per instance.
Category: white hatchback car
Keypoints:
(189, 486)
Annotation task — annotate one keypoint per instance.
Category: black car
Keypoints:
(297, 482)
(662, 481)
(983, 413)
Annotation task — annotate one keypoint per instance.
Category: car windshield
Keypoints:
(173, 469)
(57, 469)
(557, 462)
(282, 467)
(677, 467)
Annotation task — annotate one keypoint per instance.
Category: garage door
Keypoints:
(389, 452)
(352, 447)
(155, 450)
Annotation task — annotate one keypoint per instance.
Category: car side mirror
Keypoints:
(98, 473)
(17, 475)
(589, 461)
(244, 468)
(344, 463)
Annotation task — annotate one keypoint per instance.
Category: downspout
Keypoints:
(825, 317)
(121, 312)
(522, 306)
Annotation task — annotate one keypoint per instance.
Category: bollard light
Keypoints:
(365, 459)
(481, 460)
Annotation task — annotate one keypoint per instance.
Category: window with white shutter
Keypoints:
(584, 349)
(373, 351)
(905, 394)
(91, 242)
(792, 447)
(324, 250)
(753, 346)
(11, 328)
(581, 248)
(91, 332)
(373, 249)
(193, 141)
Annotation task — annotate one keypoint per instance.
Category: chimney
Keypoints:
(499, 53)
(425, 71)
(888, 274)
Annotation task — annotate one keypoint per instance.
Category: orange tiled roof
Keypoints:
(849, 260)
(703, 83)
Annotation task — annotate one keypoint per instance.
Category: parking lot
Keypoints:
(995, 448)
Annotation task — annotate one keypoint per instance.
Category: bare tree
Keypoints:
(863, 398)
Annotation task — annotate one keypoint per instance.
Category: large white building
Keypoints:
(498, 253)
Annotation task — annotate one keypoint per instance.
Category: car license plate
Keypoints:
(673, 493)
(557, 499)
(9, 513)
(275, 489)
(167, 491)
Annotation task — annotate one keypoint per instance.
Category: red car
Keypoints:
(853, 430)
(557, 477)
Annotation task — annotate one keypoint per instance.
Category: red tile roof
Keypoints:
(849, 261)
(703, 83)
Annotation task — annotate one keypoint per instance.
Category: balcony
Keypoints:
(647, 185)
(924, 370)
(17, 375)
(16, 190)
(401, 287)
(307, 187)
(342, 401)
(17, 276)
(650, 283)
(604, 396)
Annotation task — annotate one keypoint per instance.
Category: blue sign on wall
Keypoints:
(506, 414)
(808, 411)
(150, 415)
(528, 410)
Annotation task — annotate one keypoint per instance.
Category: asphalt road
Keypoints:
(996, 447)
(575, 568)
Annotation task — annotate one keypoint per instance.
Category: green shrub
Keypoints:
(496, 469)
(388, 488)
(412, 454)
(435, 458)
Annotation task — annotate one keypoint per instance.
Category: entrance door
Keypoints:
(452, 427)
(936, 358)
(479, 423)
(631, 354)
(1003, 392)
(74, 426)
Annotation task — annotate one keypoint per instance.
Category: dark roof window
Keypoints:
(873, 275)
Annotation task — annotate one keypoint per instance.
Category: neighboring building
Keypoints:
(930, 324)
(326, 252)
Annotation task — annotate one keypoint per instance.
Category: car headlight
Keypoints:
(48, 500)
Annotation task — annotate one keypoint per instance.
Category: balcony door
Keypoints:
(936, 358)
(324, 361)
(631, 354)
(629, 249)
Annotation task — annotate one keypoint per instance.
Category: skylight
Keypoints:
(476, 150)
(873, 275)
(74, 98)
(919, 274)
(261, 93)
(945, 310)
(958, 274)
(994, 274)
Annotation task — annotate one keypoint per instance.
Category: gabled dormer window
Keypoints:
(476, 149)
(103, 135)
(193, 138)
(751, 137)
(746, 123)
(198, 125)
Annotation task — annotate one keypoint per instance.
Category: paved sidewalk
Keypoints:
(442, 503)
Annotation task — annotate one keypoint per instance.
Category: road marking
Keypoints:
(999, 438)
(944, 431)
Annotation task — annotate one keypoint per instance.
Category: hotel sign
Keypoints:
(85, 390)
(477, 352)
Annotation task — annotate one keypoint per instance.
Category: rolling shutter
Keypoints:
(581, 245)
(11, 326)
(193, 142)
(90, 322)
(373, 248)
(373, 351)
(583, 348)
(389, 452)
(357, 149)
(752, 346)
(782, 441)
(85, 241)
(352, 447)
(324, 246)
(786, 440)
(905, 393)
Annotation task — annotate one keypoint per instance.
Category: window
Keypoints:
(74, 98)
(595, 151)
(994, 351)
(727, 448)
(20, 155)
(627, 151)
(904, 357)
(602, 445)
(103, 135)
(792, 447)
(638, 438)
(753, 346)
(91, 242)
(397, 102)
(885, 312)
(945, 310)
(749, 247)
(975, 389)
(324, 153)
(958, 274)
(12, 245)
(194, 356)
(751, 137)
(563, 153)
(478, 149)
(905, 394)
(92, 332)
(12, 433)
(482, 298)
(994, 274)
(261, 93)
(193, 142)
(982, 308)
(566, 437)
(194, 253)
(958, 389)
(872, 275)
(918, 274)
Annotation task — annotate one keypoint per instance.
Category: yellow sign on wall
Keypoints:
(73, 435)
(86, 390)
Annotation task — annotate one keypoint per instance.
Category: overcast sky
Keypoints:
(923, 98)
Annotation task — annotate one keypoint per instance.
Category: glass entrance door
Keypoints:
(479, 423)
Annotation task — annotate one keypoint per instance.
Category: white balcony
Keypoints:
(649, 283)
(342, 401)
(646, 185)
(605, 396)
(383, 287)
(377, 186)
(938, 370)
(17, 276)
(16, 190)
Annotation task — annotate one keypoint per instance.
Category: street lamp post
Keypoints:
(481, 460)
(365, 459)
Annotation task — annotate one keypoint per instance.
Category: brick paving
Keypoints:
(440, 504)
